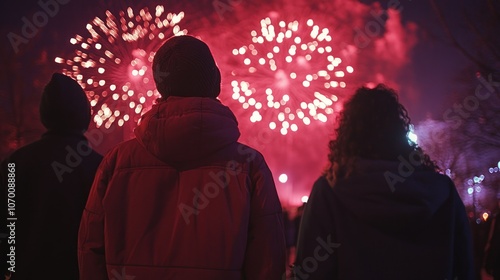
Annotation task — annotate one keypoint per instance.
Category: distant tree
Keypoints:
(473, 28)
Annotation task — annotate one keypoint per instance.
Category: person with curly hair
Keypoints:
(381, 209)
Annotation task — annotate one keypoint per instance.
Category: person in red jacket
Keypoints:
(381, 211)
(183, 200)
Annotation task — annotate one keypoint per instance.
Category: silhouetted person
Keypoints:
(52, 181)
(492, 261)
(380, 211)
(289, 234)
(296, 222)
(480, 230)
(183, 200)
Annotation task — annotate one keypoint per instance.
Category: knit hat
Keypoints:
(184, 66)
(64, 105)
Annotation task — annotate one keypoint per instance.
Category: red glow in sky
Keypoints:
(289, 74)
(251, 82)
(113, 64)
(286, 70)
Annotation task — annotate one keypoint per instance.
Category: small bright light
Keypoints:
(485, 216)
(470, 190)
(283, 178)
(339, 74)
(281, 116)
(304, 199)
(412, 136)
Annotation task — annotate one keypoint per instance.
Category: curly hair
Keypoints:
(372, 125)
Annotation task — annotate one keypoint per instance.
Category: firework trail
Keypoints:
(113, 64)
(287, 67)
(285, 73)
(289, 74)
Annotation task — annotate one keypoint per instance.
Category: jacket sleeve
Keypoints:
(316, 245)
(265, 253)
(91, 254)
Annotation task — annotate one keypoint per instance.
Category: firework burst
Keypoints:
(113, 63)
(289, 74)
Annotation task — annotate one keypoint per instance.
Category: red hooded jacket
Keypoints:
(183, 200)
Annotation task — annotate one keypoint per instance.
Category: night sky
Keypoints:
(434, 61)
(427, 80)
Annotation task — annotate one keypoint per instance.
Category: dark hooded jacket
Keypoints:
(385, 222)
(184, 200)
(52, 179)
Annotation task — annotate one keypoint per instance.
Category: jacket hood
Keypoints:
(393, 195)
(64, 105)
(186, 129)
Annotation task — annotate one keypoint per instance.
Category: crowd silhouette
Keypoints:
(185, 200)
